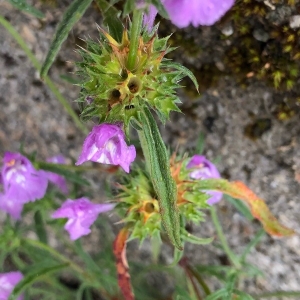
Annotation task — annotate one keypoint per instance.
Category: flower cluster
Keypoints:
(138, 202)
(185, 12)
(22, 183)
(81, 214)
(115, 92)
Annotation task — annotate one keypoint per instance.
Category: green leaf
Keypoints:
(32, 277)
(252, 244)
(243, 295)
(111, 19)
(177, 257)
(157, 162)
(217, 295)
(219, 272)
(61, 170)
(69, 79)
(161, 9)
(129, 7)
(200, 143)
(185, 71)
(194, 239)
(22, 5)
(240, 206)
(70, 17)
(40, 227)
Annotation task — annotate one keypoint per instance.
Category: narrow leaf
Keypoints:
(40, 227)
(61, 169)
(194, 239)
(70, 17)
(22, 5)
(240, 206)
(32, 277)
(161, 9)
(185, 71)
(157, 162)
(258, 207)
(122, 265)
(111, 19)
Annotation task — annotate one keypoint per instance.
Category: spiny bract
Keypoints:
(114, 93)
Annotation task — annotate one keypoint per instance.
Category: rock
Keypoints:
(261, 35)
(294, 21)
(227, 30)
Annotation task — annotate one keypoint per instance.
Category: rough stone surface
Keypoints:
(269, 164)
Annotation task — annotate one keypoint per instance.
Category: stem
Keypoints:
(222, 238)
(135, 32)
(252, 244)
(47, 80)
(40, 164)
(278, 294)
(200, 281)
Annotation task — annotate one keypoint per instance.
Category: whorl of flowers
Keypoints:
(114, 93)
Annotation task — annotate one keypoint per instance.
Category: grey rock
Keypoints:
(261, 35)
(294, 21)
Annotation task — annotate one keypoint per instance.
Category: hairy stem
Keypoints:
(135, 32)
(234, 260)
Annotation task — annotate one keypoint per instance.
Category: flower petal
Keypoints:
(81, 213)
(106, 144)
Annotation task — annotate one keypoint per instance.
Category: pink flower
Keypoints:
(81, 213)
(182, 13)
(7, 283)
(10, 206)
(106, 144)
(22, 183)
(56, 179)
(204, 169)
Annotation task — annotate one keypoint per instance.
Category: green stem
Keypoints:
(200, 281)
(278, 294)
(222, 238)
(252, 244)
(40, 164)
(47, 80)
(135, 32)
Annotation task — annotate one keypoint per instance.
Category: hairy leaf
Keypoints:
(22, 5)
(157, 161)
(70, 17)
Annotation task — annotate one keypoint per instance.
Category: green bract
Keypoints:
(115, 93)
(139, 204)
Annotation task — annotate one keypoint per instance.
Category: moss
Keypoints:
(275, 61)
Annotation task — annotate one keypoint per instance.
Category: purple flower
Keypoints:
(81, 213)
(149, 17)
(12, 207)
(196, 12)
(106, 144)
(7, 284)
(22, 182)
(204, 169)
(56, 179)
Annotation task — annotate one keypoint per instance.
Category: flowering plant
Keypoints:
(128, 87)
